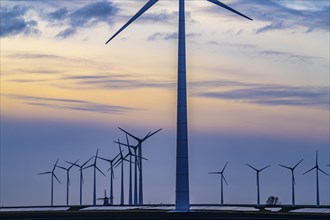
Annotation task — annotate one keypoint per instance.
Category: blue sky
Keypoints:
(258, 94)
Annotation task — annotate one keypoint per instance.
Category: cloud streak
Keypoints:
(71, 104)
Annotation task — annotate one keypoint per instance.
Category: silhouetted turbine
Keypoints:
(95, 168)
(81, 176)
(112, 162)
(293, 179)
(258, 171)
(182, 175)
(52, 182)
(140, 141)
(67, 179)
(121, 160)
(221, 181)
(316, 167)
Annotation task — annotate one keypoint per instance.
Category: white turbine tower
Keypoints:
(182, 174)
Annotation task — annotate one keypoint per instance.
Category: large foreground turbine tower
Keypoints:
(182, 174)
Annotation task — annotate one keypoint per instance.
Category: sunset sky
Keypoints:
(258, 93)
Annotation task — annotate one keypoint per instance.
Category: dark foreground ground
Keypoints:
(147, 214)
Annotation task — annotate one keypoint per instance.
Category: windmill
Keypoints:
(139, 146)
(81, 175)
(112, 162)
(317, 169)
(182, 176)
(52, 181)
(293, 179)
(222, 179)
(258, 171)
(95, 168)
(67, 179)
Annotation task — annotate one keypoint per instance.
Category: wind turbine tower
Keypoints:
(140, 141)
(221, 180)
(95, 168)
(258, 189)
(52, 182)
(317, 169)
(292, 179)
(67, 179)
(81, 175)
(182, 174)
(112, 162)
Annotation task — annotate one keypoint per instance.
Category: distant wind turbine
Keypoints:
(81, 175)
(67, 179)
(258, 190)
(95, 168)
(140, 141)
(112, 162)
(293, 179)
(221, 180)
(52, 181)
(317, 169)
(182, 176)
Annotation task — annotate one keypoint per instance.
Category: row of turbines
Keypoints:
(133, 157)
(293, 181)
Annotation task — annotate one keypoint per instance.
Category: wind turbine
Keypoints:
(52, 181)
(222, 179)
(293, 179)
(136, 164)
(95, 168)
(81, 175)
(182, 176)
(112, 162)
(121, 160)
(67, 179)
(316, 167)
(140, 141)
(258, 171)
(130, 154)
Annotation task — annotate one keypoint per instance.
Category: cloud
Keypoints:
(169, 36)
(283, 15)
(13, 22)
(268, 94)
(86, 16)
(71, 104)
(254, 50)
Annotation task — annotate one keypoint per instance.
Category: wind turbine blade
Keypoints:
(222, 176)
(120, 161)
(116, 157)
(140, 12)
(294, 179)
(309, 170)
(316, 161)
(88, 166)
(223, 169)
(251, 167)
(285, 166)
(297, 164)
(127, 139)
(137, 139)
(149, 135)
(56, 178)
(229, 8)
(87, 161)
(72, 164)
(104, 159)
(214, 172)
(44, 173)
(100, 170)
(323, 171)
(63, 168)
(264, 168)
(55, 165)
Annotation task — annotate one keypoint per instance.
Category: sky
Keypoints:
(258, 93)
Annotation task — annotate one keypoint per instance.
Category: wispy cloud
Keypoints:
(254, 50)
(169, 36)
(13, 22)
(71, 104)
(266, 94)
